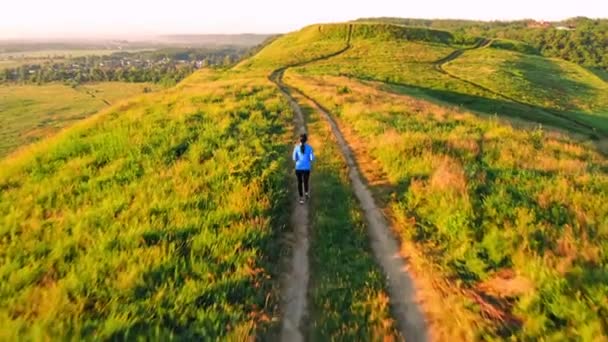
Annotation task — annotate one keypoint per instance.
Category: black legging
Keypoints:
(303, 176)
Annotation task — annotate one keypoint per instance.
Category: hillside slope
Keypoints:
(31, 112)
(503, 215)
(157, 218)
(548, 83)
(309, 43)
(422, 65)
(165, 217)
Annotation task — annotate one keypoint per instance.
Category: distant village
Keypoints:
(146, 66)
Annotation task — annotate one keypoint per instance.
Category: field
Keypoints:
(8, 64)
(158, 217)
(519, 217)
(166, 216)
(17, 59)
(30, 113)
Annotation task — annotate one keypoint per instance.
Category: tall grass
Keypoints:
(516, 216)
(158, 218)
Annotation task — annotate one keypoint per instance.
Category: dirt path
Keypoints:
(482, 43)
(295, 284)
(409, 317)
(88, 92)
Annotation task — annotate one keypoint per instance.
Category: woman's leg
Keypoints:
(306, 178)
(300, 175)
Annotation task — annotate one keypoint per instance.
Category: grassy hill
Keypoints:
(517, 217)
(309, 43)
(543, 82)
(504, 84)
(585, 42)
(157, 217)
(165, 216)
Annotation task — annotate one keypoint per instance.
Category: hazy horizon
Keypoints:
(68, 19)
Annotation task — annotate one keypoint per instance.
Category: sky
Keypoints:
(128, 18)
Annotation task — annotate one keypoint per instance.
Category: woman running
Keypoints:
(303, 156)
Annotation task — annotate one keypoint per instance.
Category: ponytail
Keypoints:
(303, 139)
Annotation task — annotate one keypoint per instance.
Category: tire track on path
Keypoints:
(295, 285)
(410, 319)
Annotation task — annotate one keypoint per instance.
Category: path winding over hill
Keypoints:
(483, 43)
(410, 320)
(295, 284)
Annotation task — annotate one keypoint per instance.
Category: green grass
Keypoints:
(543, 82)
(29, 112)
(559, 93)
(157, 218)
(348, 296)
(481, 198)
(161, 216)
(309, 43)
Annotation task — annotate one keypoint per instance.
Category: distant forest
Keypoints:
(579, 40)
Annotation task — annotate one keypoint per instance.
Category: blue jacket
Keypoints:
(303, 160)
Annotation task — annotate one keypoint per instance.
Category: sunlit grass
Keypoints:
(490, 81)
(348, 296)
(29, 112)
(482, 198)
(309, 43)
(157, 218)
(549, 83)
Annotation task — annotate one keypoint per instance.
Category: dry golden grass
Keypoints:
(449, 176)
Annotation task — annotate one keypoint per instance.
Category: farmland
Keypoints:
(15, 59)
(30, 113)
